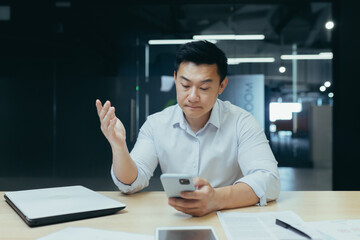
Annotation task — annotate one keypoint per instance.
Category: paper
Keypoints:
(261, 226)
(338, 229)
(79, 233)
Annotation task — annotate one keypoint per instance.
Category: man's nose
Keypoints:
(194, 95)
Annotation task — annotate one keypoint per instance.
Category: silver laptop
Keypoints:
(53, 205)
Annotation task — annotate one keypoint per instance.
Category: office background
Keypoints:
(58, 57)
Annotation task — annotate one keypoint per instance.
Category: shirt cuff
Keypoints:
(126, 188)
(259, 191)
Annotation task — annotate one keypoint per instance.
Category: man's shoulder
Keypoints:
(232, 114)
(229, 108)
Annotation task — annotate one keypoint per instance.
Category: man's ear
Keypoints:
(223, 85)
(175, 73)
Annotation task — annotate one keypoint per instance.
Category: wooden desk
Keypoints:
(147, 210)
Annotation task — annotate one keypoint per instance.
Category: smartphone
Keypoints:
(174, 183)
(180, 233)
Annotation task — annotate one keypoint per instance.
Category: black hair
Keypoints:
(202, 52)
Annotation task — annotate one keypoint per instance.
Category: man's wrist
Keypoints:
(116, 149)
(219, 199)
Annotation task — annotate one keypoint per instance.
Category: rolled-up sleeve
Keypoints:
(257, 162)
(145, 157)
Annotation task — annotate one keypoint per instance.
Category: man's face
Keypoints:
(197, 88)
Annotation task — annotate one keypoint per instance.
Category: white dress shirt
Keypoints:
(230, 148)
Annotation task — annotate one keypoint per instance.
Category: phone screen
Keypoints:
(186, 234)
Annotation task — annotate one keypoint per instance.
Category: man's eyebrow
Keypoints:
(203, 81)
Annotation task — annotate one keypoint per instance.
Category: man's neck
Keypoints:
(198, 123)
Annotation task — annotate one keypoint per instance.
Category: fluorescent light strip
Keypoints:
(320, 56)
(229, 37)
(233, 61)
(171, 41)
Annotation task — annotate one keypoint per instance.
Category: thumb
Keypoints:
(200, 182)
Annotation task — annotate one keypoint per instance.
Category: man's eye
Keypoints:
(204, 89)
(185, 86)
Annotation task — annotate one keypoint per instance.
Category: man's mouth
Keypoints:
(193, 107)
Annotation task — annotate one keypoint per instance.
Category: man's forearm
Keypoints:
(124, 167)
(235, 196)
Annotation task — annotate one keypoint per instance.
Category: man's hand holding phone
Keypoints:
(198, 202)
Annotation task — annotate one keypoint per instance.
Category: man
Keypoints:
(202, 136)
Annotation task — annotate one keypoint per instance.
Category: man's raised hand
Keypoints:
(111, 126)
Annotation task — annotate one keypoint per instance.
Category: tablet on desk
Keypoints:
(53, 205)
(185, 233)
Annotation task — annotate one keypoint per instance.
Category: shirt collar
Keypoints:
(215, 115)
(214, 119)
(178, 117)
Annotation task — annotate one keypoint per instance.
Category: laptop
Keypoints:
(60, 204)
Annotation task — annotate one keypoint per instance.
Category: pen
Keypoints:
(288, 226)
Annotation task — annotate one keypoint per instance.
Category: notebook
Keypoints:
(53, 205)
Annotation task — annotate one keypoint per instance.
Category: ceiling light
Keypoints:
(331, 95)
(328, 54)
(230, 37)
(320, 56)
(329, 25)
(327, 84)
(172, 41)
(322, 88)
(233, 61)
(282, 69)
(169, 41)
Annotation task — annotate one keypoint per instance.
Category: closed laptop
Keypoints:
(53, 205)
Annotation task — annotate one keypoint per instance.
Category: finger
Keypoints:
(98, 105)
(121, 124)
(187, 210)
(104, 110)
(190, 211)
(178, 205)
(184, 203)
(109, 115)
(111, 127)
(191, 195)
(194, 210)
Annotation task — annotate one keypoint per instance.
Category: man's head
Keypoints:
(202, 52)
(200, 76)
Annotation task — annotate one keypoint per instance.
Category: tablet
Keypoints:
(182, 233)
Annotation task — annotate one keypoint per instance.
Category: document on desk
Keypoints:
(76, 233)
(261, 226)
(338, 229)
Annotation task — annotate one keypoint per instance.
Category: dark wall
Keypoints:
(25, 94)
(346, 163)
(53, 66)
(26, 117)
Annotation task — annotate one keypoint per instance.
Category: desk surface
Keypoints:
(147, 210)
